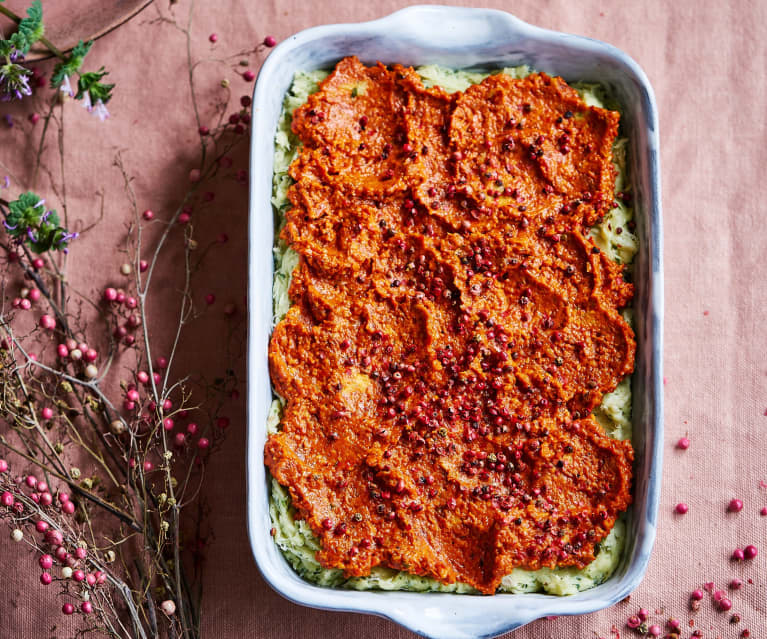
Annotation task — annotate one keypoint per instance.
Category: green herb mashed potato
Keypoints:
(293, 536)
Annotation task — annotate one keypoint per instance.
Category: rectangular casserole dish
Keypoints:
(463, 38)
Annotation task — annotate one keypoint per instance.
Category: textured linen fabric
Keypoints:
(705, 60)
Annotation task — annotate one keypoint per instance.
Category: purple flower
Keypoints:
(8, 227)
(6, 183)
(14, 82)
(31, 235)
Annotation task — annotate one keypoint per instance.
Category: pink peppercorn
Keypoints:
(179, 439)
(148, 215)
(47, 322)
(674, 625)
(725, 604)
(763, 512)
(3, 466)
(46, 562)
(90, 579)
(34, 118)
(143, 265)
(696, 595)
(62, 350)
(249, 76)
(54, 537)
(738, 555)
(750, 552)
(736, 584)
(80, 552)
(42, 486)
(735, 506)
(68, 507)
(682, 508)
(683, 443)
(6, 499)
(86, 607)
(203, 443)
(110, 294)
(643, 613)
(47, 413)
(78, 575)
(168, 423)
(655, 630)
(148, 466)
(191, 428)
(270, 41)
(633, 621)
(719, 595)
(34, 294)
(210, 299)
(213, 37)
(41, 526)
(67, 608)
(46, 579)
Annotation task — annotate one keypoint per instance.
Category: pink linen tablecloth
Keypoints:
(706, 61)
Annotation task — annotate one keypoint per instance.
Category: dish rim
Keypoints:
(409, 608)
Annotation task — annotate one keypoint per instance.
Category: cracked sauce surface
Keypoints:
(452, 327)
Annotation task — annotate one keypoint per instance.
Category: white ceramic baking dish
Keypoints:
(463, 38)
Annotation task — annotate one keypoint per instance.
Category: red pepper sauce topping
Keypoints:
(452, 327)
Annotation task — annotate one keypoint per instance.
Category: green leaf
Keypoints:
(30, 223)
(89, 83)
(30, 29)
(72, 64)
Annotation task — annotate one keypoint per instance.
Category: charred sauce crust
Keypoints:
(452, 327)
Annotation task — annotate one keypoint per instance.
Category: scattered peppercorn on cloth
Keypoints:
(705, 60)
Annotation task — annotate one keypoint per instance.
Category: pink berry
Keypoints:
(167, 405)
(41, 526)
(68, 507)
(191, 428)
(46, 579)
(47, 322)
(655, 630)
(168, 423)
(148, 215)
(3, 466)
(203, 443)
(46, 499)
(683, 443)
(736, 584)
(213, 38)
(86, 607)
(67, 608)
(270, 41)
(179, 439)
(143, 265)
(696, 595)
(61, 553)
(674, 625)
(90, 579)
(643, 614)
(248, 76)
(31, 481)
(183, 218)
(25, 304)
(736, 505)
(6, 499)
(156, 377)
(34, 118)
(203, 130)
(80, 552)
(47, 413)
(682, 508)
(46, 562)
(38, 263)
(245, 101)
(132, 395)
(633, 621)
(62, 350)
(210, 299)
(78, 575)
(738, 555)
(42, 486)
(91, 355)
(63, 498)
(54, 537)
(34, 294)
(162, 363)
(110, 294)
(142, 377)
(148, 466)
(725, 604)
(750, 552)
(129, 405)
